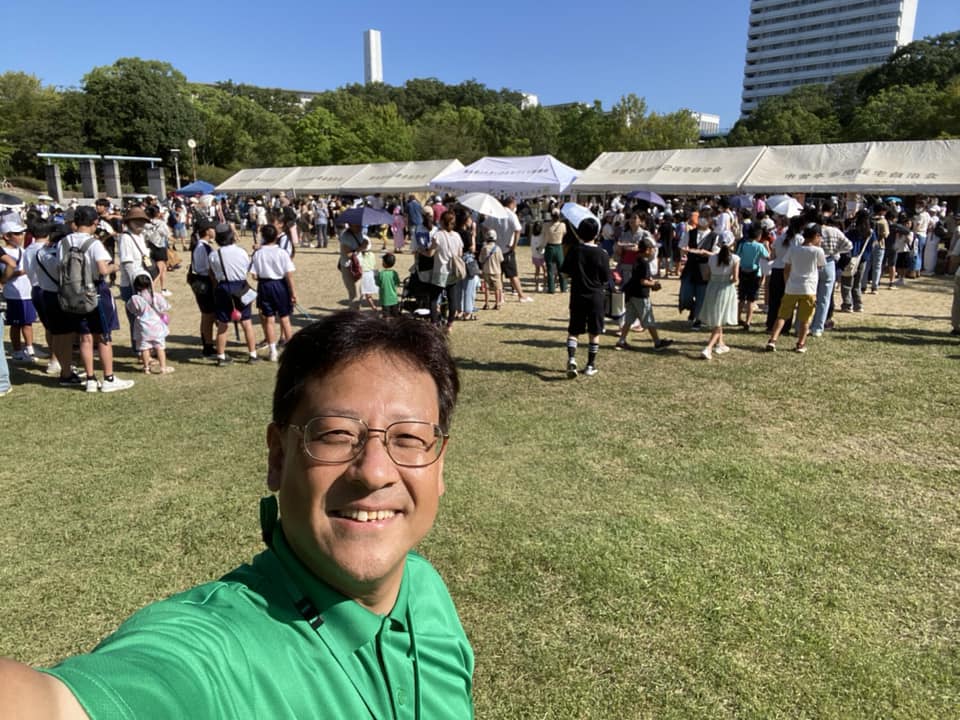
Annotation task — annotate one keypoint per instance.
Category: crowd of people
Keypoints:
(733, 264)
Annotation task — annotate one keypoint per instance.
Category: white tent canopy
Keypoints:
(693, 171)
(322, 179)
(415, 176)
(912, 167)
(519, 176)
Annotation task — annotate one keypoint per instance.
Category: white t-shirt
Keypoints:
(235, 263)
(780, 252)
(271, 263)
(718, 270)
(19, 287)
(805, 262)
(133, 255)
(95, 253)
(30, 262)
(505, 227)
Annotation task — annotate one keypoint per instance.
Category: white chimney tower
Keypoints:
(372, 59)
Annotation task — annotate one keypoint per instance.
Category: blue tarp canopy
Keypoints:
(198, 187)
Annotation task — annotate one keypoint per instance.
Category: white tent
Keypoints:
(913, 167)
(519, 176)
(257, 180)
(688, 171)
(322, 179)
(370, 179)
(415, 176)
(807, 168)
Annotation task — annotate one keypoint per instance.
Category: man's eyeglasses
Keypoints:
(335, 439)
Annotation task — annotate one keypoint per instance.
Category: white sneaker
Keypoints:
(572, 368)
(721, 349)
(91, 386)
(114, 385)
(53, 367)
(706, 354)
(590, 371)
(166, 293)
(274, 356)
(526, 298)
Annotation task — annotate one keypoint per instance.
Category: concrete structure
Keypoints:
(803, 42)
(88, 178)
(372, 59)
(111, 178)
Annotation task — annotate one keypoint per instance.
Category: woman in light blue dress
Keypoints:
(720, 300)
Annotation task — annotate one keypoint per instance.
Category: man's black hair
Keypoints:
(389, 260)
(588, 230)
(345, 336)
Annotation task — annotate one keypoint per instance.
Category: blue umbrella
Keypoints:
(894, 198)
(365, 216)
(647, 195)
(741, 202)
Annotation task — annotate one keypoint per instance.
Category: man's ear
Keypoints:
(275, 457)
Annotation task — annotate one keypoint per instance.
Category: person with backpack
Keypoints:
(84, 296)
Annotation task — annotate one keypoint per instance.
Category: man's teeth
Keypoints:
(367, 516)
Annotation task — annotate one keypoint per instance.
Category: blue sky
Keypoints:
(677, 53)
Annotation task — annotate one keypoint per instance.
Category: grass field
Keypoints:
(761, 536)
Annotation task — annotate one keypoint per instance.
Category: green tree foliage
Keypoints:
(450, 132)
(541, 128)
(933, 60)
(283, 103)
(632, 128)
(901, 112)
(238, 131)
(138, 107)
(584, 133)
(36, 119)
(912, 96)
(803, 116)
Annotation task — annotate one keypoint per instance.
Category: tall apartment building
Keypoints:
(804, 42)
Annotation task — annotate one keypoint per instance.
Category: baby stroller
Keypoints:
(415, 297)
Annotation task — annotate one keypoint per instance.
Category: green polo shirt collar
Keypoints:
(350, 624)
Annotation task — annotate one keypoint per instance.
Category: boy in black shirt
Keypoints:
(588, 267)
(637, 295)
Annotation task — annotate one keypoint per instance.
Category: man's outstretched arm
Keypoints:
(26, 694)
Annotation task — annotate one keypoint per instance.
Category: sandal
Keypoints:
(485, 307)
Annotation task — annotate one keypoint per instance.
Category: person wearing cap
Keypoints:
(636, 292)
(21, 313)
(588, 267)
(338, 617)
(95, 327)
(201, 283)
(133, 256)
(229, 264)
(802, 265)
(490, 259)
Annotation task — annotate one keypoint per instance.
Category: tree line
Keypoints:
(147, 107)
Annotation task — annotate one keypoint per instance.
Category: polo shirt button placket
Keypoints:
(401, 697)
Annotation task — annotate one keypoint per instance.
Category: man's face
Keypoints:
(102, 209)
(634, 222)
(363, 560)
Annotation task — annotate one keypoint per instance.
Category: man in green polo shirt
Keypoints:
(338, 617)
